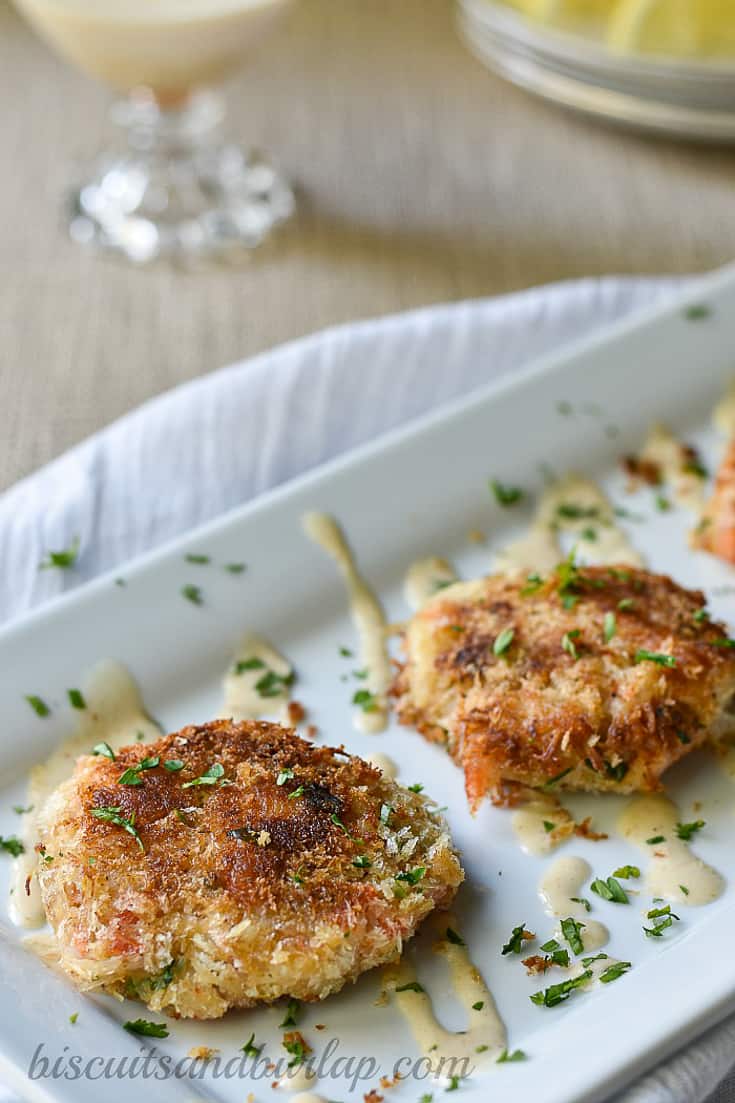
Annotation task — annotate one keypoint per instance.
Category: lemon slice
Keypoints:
(655, 26)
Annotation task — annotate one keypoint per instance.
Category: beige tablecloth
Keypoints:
(422, 178)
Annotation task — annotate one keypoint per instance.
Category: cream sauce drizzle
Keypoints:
(425, 578)
(308, 1097)
(385, 763)
(114, 715)
(540, 549)
(441, 1046)
(663, 449)
(242, 699)
(563, 880)
(298, 1079)
(367, 615)
(723, 415)
(529, 821)
(672, 863)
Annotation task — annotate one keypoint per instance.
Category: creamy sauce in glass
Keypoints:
(114, 715)
(170, 46)
(242, 699)
(672, 863)
(663, 449)
(484, 1027)
(563, 880)
(425, 578)
(530, 820)
(367, 616)
(541, 551)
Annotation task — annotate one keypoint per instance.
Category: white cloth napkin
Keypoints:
(212, 444)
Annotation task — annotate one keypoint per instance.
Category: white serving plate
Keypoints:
(415, 492)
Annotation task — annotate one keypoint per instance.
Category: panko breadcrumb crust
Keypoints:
(300, 868)
(612, 675)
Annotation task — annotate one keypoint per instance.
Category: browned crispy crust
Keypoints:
(248, 887)
(590, 716)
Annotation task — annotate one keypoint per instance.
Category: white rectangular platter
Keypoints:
(416, 492)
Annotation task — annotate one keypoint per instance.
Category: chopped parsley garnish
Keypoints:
(505, 495)
(338, 823)
(235, 568)
(76, 699)
(250, 1049)
(478, 1006)
(297, 792)
(694, 466)
(173, 765)
(192, 593)
(587, 961)
(684, 889)
(558, 955)
(365, 699)
(362, 861)
(548, 826)
(609, 627)
(701, 616)
(686, 831)
(663, 505)
(454, 938)
(273, 685)
(611, 890)
(62, 559)
(249, 664)
(516, 1055)
(568, 645)
(131, 776)
(518, 936)
(284, 776)
(412, 986)
(38, 705)
(198, 560)
(581, 900)
(73, 1018)
(643, 656)
(346, 653)
(627, 872)
(503, 641)
(411, 876)
(453, 1084)
(614, 971)
(12, 845)
(656, 839)
(626, 603)
(113, 814)
(104, 749)
(534, 582)
(417, 787)
(663, 918)
(572, 931)
(146, 1028)
(20, 810)
(209, 777)
(558, 993)
(293, 1014)
(697, 312)
(570, 511)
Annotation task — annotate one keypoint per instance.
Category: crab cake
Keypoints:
(594, 678)
(232, 864)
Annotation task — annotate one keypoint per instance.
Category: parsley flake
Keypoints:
(209, 777)
(505, 495)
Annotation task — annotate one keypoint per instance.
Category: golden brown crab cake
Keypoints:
(232, 864)
(594, 678)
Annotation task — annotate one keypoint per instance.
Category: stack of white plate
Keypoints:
(692, 99)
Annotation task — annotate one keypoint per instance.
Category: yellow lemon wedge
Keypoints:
(570, 11)
(679, 28)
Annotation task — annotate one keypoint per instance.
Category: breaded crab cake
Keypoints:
(232, 864)
(593, 678)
